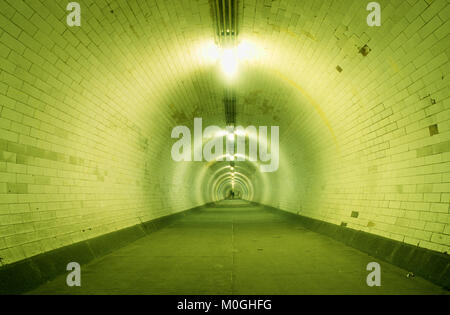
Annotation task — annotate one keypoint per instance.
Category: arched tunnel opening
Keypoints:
(224, 147)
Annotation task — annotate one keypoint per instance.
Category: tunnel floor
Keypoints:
(234, 247)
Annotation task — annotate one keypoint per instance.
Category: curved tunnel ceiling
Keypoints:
(88, 112)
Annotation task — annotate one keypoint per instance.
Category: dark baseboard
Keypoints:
(28, 274)
(431, 265)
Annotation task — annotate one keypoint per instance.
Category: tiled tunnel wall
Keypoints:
(81, 154)
(86, 115)
(388, 171)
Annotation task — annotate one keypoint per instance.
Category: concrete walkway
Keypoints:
(236, 248)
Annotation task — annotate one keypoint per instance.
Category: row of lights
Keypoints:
(233, 172)
(229, 60)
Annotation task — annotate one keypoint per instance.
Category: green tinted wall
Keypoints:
(87, 114)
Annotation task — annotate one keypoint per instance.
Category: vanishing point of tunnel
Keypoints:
(237, 147)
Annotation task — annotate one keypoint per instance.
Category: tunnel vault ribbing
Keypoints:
(86, 116)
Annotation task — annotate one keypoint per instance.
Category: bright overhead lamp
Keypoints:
(229, 62)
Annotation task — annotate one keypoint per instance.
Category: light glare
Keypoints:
(229, 62)
(230, 58)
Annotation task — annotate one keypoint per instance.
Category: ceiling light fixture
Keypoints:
(229, 62)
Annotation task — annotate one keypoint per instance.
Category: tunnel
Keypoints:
(224, 147)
